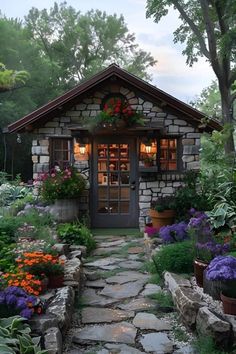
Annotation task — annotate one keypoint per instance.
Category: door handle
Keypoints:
(133, 186)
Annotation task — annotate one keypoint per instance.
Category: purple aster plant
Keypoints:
(174, 233)
(209, 250)
(199, 226)
(14, 300)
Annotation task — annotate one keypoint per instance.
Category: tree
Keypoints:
(209, 30)
(80, 45)
(9, 79)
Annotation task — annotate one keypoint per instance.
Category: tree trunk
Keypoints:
(227, 118)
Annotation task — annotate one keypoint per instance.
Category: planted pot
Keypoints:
(65, 210)
(229, 304)
(55, 281)
(199, 267)
(162, 218)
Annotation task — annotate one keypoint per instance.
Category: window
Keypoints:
(159, 153)
(60, 153)
(168, 154)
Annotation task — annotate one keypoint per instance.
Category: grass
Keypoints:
(206, 345)
(149, 267)
(180, 334)
(117, 232)
(156, 279)
(163, 299)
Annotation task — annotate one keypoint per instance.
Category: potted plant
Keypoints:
(63, 189)
(149, 160)
(204, 244)
(116, 114)
(223, 269)
(162, 212)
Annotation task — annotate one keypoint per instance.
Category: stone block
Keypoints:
(209, 324)
(188, 303)
(62, 306)
(152, 184)
(144, 205)
(34, 142)
(140, 100)
(167, 190)
(73, 269)
(53, 340)
(36, 150)
(147, 105)
(44, 159)
(51, 125)
(61, 248)
(93, 113)
(124, 91)
(46, 130)
(131, 94)
(186, 129)
(147, 192)
(162, 184)
(35, 159)
(81, 107)
(173, 128)
(180, 122)
(40, 324)
(188, 158)
(83, 249)
(195, 165)
(44, 150)
(194, 135)
(133, 101)
(157, 109)
(142, 185)
(191, 150)
(145, 198)
(93, 107)
(58, 131)
(161, 115)
(173, 281)
(188, 141)
(167, 122)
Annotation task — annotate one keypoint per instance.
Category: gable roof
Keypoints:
(52, 107)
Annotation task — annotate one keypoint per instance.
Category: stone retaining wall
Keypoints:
(196, 314)
(52, 325)
(154, 113)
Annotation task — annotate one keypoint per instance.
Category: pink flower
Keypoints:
(53, 175)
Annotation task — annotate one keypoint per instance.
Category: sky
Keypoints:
(170, 74)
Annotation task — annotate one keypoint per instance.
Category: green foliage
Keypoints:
(7, 256)
(164, 299)
(15, 337)
(76, 234)
(206, 345)
(8, 227)
(10, 78)
(177, 257)
(192, 195)
(62, 185)
(9, 193)
(163, 203)
(218, 178)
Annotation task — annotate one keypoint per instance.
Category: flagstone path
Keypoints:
(114, 314)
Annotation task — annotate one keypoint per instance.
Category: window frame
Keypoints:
(52, 151)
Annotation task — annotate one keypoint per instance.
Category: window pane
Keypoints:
(114, 179)
(114, 193)
(102, 178)
(124, 178)
(113, 207)
(103, 207)
(124, 207)
(102, 193)
(125, 193)
(168, 154)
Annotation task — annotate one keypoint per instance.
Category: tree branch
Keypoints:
(193, 27)
(210, 36)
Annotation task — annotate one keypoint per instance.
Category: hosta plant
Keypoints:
(15, 337)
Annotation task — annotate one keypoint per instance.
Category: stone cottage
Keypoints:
(127, 167)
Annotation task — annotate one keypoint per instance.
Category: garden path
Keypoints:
(115, 313)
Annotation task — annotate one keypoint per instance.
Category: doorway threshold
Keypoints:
(116, 232)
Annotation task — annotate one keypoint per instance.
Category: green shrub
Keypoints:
(15, 337)
(206, 345)
(177, 257)
(8, 227)
(76, 234)
(7, 257)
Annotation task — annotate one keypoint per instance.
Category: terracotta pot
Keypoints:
(199, 267)
(229, 304)
(163, 218)
(55, 281)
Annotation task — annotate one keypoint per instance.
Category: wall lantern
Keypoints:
(81, 149)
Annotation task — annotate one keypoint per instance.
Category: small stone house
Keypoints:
(126, 168)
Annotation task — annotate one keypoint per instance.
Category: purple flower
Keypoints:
(11, 300)
(222, 268)
(208, 250)
(199, 226)
(2, 297)
(173, 233)
(26, 313)
(21, 303)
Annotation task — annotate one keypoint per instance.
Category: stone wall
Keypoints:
(90, 106)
